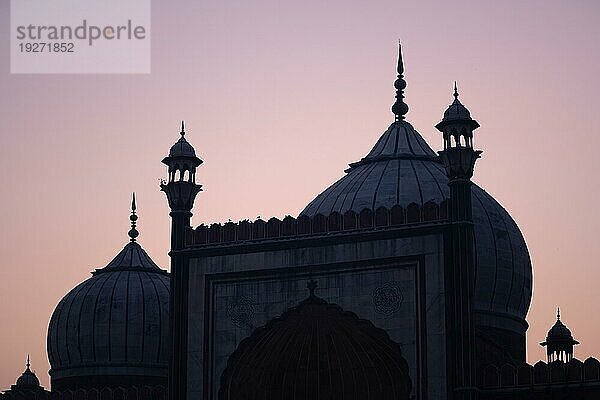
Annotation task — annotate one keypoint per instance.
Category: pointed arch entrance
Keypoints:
(316, 351)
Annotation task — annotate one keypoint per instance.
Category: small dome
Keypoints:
(456, 111)
(559, 342)
(182, 148)
(182, 156)
(559, 332)
(28, 377)
(316, 350)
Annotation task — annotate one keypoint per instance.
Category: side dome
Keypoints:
(113, 328)
(316, 350)
(402, 169)
(28, 378)
(113, 324)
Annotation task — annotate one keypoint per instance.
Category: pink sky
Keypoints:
(278, 98)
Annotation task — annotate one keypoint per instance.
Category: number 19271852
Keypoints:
(41, 47)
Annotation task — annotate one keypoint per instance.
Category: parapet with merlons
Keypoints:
(289, 227)
(573, 380)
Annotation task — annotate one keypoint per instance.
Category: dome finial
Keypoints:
(455, 91)
(400, 108)
(28, 363)
(182, 128)
(133, 232)
(558, 313)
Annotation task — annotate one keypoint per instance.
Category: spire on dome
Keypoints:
(455, 91)
(400, 108)
(28, 363)
(133, 232)
(558, 313)
(133, 257)
(182, 128)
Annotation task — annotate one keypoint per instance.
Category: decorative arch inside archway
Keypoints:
(316, 351)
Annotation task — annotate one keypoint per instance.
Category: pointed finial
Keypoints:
(28, 363)
(400, 108)
(133, 206)
(558, 313)
(400, 68)
(182, 128)
(133, 233)
(455, 91)
(311, 286)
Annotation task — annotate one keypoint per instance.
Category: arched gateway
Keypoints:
(316, 351)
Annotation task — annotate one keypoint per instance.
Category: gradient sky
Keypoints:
(278, 97)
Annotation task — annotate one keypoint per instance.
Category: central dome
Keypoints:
(402, 169)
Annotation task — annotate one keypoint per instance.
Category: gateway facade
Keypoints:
(404, 240)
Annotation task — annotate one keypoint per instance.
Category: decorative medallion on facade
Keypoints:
(387, 299)
(241, 312)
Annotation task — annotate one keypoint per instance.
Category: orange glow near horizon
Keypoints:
(278, 98)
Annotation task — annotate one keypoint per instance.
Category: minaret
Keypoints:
(559, 342)
(459, 158)
(181, 190)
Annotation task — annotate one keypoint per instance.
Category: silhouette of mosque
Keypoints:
(402, 280)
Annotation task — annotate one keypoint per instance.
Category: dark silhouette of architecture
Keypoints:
(181, 190)
(316, 351)
(111, 331)
(403, 173)
(424, 282)
(406, 241)
(563, 377)
(459, 159)
(28, 378)
(27, 386)
(559, 342)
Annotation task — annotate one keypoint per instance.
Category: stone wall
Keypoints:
(393, 281)
(131, 393)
